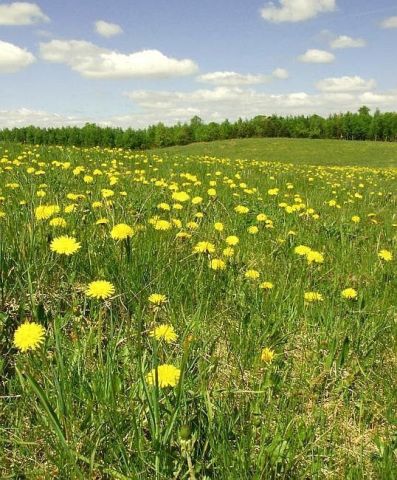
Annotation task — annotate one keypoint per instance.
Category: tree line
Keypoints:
(361, 125)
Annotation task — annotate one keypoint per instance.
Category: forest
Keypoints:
(362, 125)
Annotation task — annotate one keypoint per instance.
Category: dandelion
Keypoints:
(232, 240)
(29, 336)
(267, 355)
(314, 257)
(228, 252)
(266, 285)
(157, 299)
(180, 196)
(311, 297)
(356, 219)
(349, 293)
(162, 225)
(100, 289)
(167, 375)
(218, 226)
(204, 247)
(302, 250)
(58, 222)
(253, 230)
(252, 274)
(217, 264)
(385, 255)
(121, 231)
(164, 332)
(241, 209)
(65, 245)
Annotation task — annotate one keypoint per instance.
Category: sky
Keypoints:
(131, 63)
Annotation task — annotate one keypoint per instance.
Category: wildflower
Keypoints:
(241, 209)
(43, 212)
(58, 222)
(180, 196)
(266, 285)
(228, 252)
(65, 245)
(252, 274)
(302, 250)
(197, 200)
(29, 336)
(100, 289)
(157, 299)
(385, 255)
(162, 225)
(356, 219)
(121, 231)
(261, 217)
(273, 191)
(217, 264)
(164, 332)
(349, 293)
(311, 297)
(218, 226)
(314, 257)
(232, 240)
(267, 355)
(167, 375)
(211, 192)
(253, 230)
(102, 221)
(204, 247)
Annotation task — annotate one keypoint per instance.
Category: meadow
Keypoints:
(189, 314)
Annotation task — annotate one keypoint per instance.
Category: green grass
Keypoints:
(80, 406)
(296, 151)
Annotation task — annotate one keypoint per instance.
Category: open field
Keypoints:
(243, 326)
(298, 151)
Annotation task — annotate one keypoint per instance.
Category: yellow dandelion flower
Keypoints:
(100, 289)
(266, 285)
(217, 264)
(218, 226)
(356, 219)
(253, 230)
(267, 355)
(232, 240)
(204, 247)
(349, 293)
(164, 332)
(162, 225)
(121, 231)
(385, 255)
(180, 196)
(241, 209)
(167, 376)
(314, 257)
(302, 250)
(29, 336)
(58, 222)
(252, 274)
(65, 245)
(228, 252)
(311, 297)
(157, 298)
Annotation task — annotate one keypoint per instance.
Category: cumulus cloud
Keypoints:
(14, 58)
(390, 22)
(234, 79)
(232, 102)
(216, 104)
(345, 84)
(344, 41)
(22, 117)
(92, 61)
(316, 56)
(21, 13)
(106, 29)
(296, 10)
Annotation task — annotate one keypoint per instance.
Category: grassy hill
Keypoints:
(297, 151)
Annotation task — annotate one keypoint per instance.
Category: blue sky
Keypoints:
(150, 61)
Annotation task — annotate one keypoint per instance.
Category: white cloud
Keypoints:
(344, 41)
(13, 58)
(345, 84)
(316, 56)
(21, 13)
(151, 107)
(107, 29)
(234, 79)
(296, 10)
(24, 116)
(95, 62)
(232, 102)
(280, 73)
(390, 22)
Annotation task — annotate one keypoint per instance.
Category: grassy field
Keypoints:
(243, 326)
(297, 151)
